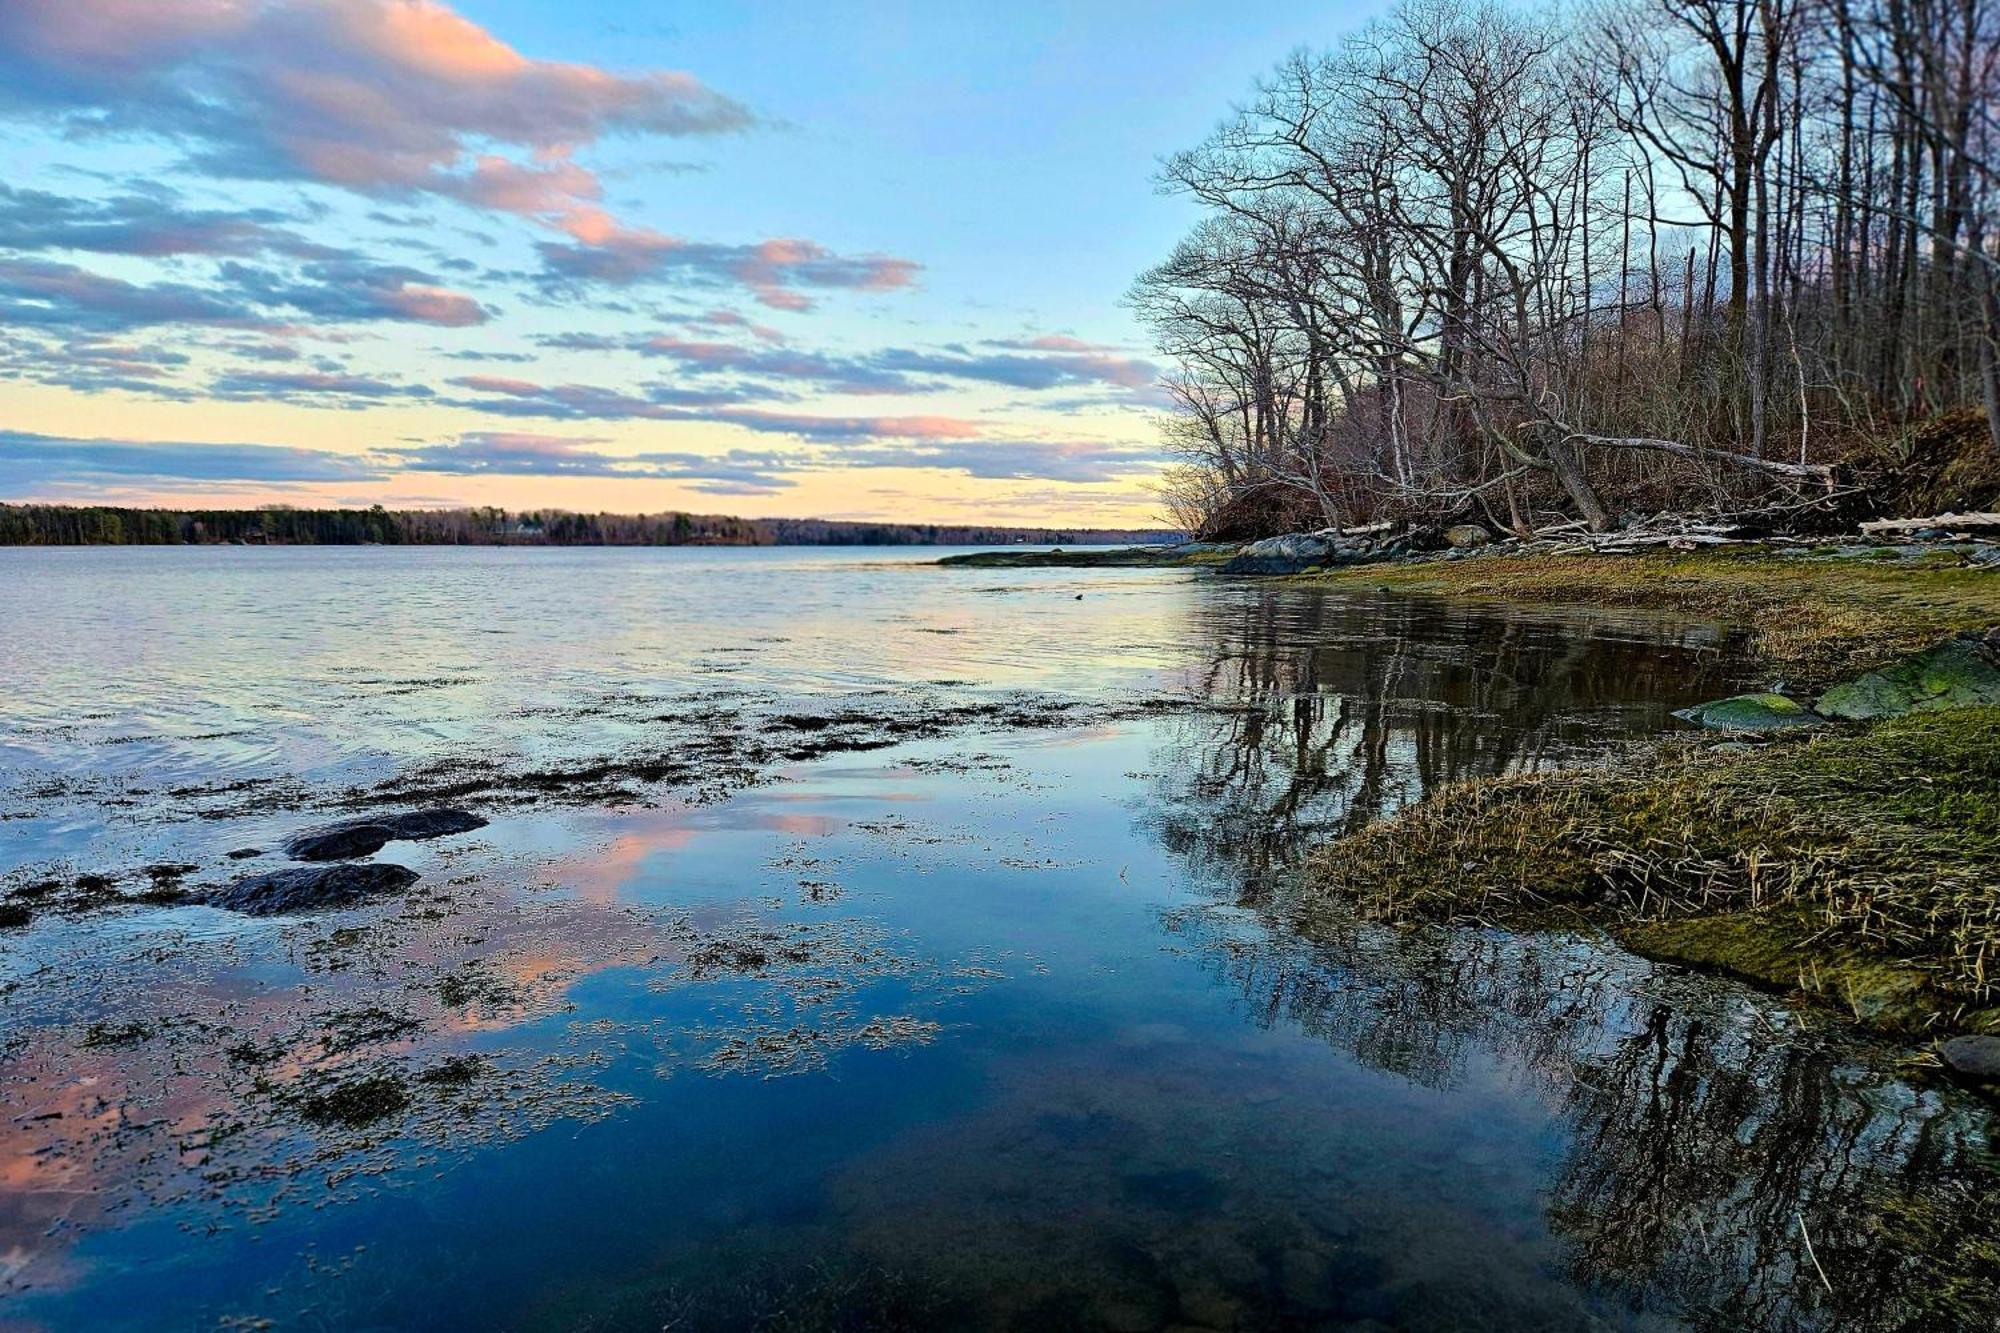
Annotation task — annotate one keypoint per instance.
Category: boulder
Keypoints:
(1750, 712)
(1467, 535)
(1958, 674)
(310, 888)
(1288, 554)
(367, 835)
(1975, 1057)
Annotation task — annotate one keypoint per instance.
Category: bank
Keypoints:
(1840, 843)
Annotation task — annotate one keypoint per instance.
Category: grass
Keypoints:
(1814, 620)
(1861, 868)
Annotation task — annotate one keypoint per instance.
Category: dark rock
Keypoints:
(365, 836)
(311, 888)
(1749, 712)
(245, 853)
(1975, 1057)
(1959, 674)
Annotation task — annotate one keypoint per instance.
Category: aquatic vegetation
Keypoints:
(1863, 869)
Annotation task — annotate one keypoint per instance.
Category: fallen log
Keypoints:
(1936, 521)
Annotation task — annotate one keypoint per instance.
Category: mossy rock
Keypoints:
(1958, 674)
(1750, 712)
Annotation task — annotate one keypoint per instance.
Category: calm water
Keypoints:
(972, 999)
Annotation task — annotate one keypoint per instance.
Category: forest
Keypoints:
(1570, 266)
(278, 525)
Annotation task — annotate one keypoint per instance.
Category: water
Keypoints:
(876, 945)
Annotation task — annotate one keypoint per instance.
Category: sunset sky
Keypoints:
(776, 258)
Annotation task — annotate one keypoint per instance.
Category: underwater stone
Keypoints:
(364, 837)
(1749, 712)
(311, 888)
(1975, 1057)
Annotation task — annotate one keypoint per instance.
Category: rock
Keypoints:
(244, 853)
(366, 836)
(1467, 535)
(1750, 712)
(310, 888)
(1958, 674)
(1974, 1057)
(1288, 554)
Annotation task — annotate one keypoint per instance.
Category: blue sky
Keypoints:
(783, 258)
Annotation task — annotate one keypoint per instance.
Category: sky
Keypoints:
(844, 261)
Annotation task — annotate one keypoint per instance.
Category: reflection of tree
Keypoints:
(1701, 1129)
(1333, 710)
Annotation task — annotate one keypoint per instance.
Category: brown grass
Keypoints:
(1859, 867)
(1813, 620)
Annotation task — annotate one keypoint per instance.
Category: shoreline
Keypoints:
(1851, 862)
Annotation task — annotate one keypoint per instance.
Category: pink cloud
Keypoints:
(434, 305)
(380, 96)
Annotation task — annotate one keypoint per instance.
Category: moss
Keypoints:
(1817, 621)
(1859, 867)
(1779, 950)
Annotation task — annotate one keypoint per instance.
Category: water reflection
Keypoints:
(1004, 1028)
(1337, 710)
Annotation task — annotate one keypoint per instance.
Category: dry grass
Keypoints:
(1863, 867)
(1813, 620)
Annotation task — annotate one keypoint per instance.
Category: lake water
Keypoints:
(856, 943)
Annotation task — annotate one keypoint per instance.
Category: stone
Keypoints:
(1467, 535)
(1750, 712)
(1959, 674)
(1289, 554)
(1975, 1057)
(311, 888)
(367, 835)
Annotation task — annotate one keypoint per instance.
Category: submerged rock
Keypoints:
(310, 888)
(1960, 674)
(1750, 712)
(366, 836)
(1975, 1057)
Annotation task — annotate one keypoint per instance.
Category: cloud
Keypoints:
(519, 454)
(312, 386)
(392, 98)
(149, 224)
(774, 271)
(40, 464)
(661, 402)
(896, 369)
(1011, 460)
(354, 290)
(40, 293)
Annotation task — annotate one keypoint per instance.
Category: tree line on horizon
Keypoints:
(280, 525)
(1530, 267)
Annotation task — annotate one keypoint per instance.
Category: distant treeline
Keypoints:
(93, 525)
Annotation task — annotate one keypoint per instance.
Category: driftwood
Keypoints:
(1937, 521)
